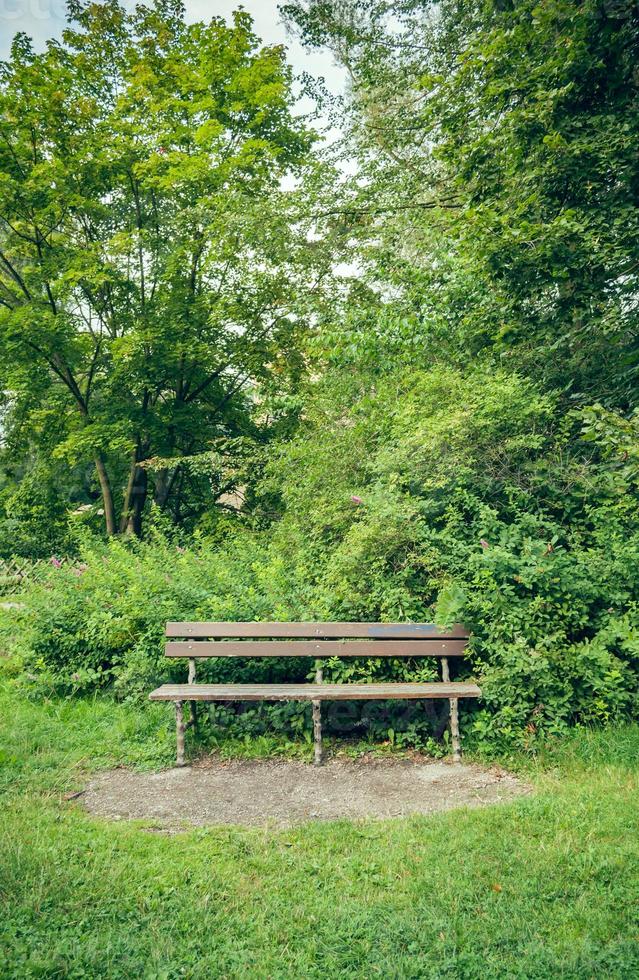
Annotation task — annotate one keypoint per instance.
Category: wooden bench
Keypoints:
(195, 641)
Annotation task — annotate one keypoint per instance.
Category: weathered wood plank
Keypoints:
(316, 648)
(377, 631)
(312, 692)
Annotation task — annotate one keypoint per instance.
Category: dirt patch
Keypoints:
(281, 793)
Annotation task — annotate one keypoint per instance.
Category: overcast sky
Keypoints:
(42, 19)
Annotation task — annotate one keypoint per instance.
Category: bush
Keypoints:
(101, 620)
(439, 496)
(450, 495)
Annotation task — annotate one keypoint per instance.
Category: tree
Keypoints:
(155, 275)
(499, 142)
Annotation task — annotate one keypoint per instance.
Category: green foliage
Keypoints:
(618, 439)
(34, 517)
(417, 500)
(454, 437)
(441, 495)
(98, 623)
(100, 620)
(153, 270)
(480, 400)
(498, 145)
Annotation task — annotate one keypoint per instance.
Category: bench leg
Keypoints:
(179, 728)
(317, 731)
(317, 716)
(453, 715)
(454, 729)
(192, 704)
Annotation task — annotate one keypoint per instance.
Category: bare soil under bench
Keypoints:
(281, 793)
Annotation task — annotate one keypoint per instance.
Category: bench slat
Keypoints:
(317, 648)
(388, 631)
(312, 692)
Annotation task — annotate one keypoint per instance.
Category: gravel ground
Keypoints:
(282, 793)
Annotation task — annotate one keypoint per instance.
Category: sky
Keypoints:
(42, 19)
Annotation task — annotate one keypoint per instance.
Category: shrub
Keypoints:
(389, 514)
(100, 620)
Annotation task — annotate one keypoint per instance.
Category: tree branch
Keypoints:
(359, 212)
(15, 275)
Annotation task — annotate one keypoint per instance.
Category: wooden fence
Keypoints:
(15, 573)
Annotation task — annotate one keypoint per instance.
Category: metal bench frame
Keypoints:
(194, 641)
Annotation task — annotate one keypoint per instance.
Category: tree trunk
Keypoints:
(163, 485)
(107, 496)
(134, 497)
(138, 500)
(128, 493)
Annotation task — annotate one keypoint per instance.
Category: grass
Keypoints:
(544, 887)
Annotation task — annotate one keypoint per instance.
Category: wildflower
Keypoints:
(484, 543)
(357, 500)
(55, 562)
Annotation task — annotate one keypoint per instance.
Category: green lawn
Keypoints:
(547, 886)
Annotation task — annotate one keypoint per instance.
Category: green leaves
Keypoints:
(149, 258)
(450, 605)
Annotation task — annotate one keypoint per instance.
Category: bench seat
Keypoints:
(312, 692)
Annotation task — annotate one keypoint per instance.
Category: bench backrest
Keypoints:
(201, 640)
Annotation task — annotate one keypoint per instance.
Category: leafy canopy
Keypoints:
(151, 261)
